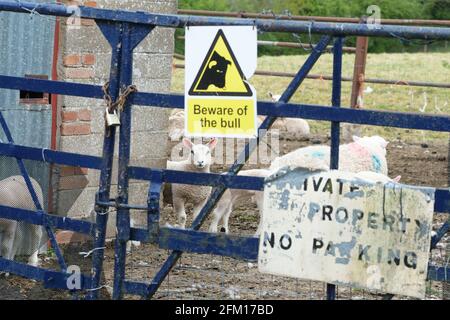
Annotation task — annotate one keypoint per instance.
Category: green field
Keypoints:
(427, 67)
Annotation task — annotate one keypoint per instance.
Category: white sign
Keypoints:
(219, 101)
(335, 228)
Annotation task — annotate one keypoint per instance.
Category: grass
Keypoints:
(426, 67)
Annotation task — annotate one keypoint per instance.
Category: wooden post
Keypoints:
(359, 70)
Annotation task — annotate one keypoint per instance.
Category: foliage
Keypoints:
(399, 9)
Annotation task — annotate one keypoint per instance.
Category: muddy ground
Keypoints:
(215, 277)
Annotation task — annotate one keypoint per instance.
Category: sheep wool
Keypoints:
(185, 191)
(365, 154)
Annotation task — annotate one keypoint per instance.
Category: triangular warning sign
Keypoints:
(220, 73)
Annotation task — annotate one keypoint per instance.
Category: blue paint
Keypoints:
(313, 209)
(318, 155)
(376, 163)
(345, 249)
(283, 204)
(354, 194)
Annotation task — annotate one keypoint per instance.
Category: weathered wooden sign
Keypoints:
(334, 227)
(219, 101)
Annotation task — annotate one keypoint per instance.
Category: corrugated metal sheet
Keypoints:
(26, 48)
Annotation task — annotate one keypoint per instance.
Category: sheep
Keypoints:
(199, 161)
(176, 125)
(14, 193)
(376, 177)
(364, 154)
(232, 196)
(295, 126)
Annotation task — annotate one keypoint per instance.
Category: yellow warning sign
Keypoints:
(220, 73)
(231, 117)
(218, 100)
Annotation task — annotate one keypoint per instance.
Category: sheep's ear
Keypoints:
(187, 143)
(397, 178)
(384, 143)
(212, 143)
(356, 138)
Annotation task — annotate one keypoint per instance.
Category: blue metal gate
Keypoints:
(124, 30)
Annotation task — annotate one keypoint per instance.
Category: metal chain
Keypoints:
(118, 105)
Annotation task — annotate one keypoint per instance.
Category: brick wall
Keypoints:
(84, 57)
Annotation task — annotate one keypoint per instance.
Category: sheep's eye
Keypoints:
(192, 151)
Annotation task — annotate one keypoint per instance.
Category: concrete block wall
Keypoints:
(84, 57)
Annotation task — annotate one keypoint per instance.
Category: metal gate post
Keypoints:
(335, 126)
(131, 36)
(111, 32)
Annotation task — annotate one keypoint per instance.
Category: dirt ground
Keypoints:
(215, 277)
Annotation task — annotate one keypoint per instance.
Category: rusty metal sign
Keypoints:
(338, 228)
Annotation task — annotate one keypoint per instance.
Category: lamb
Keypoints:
(176, 125)
(295, 126)
(232, 196)
(199, 161)
(364, 154)
(14, 193)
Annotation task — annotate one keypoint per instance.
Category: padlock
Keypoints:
(112, 119)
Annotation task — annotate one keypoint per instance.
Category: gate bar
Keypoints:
(180, 21)
(335, 126)
(289, 110)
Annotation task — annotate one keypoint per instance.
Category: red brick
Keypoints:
(88, 59)
(73, 2)
(79, 73)
(69, 116)
(66, 171)
(72, 60)
(90, 3)
(75, 129)
(87, 22)
(84, 115)
(66, 237)
(73, 182)
(80, 171)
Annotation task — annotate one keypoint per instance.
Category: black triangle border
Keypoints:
(249, 92)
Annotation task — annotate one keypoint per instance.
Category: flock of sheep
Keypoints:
(365, 156)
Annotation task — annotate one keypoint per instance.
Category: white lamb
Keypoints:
(295, 126)
(199, 161)
(232, 196)
(176, 125)
(364, 154)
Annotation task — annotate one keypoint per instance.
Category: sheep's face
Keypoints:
(200, 153)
